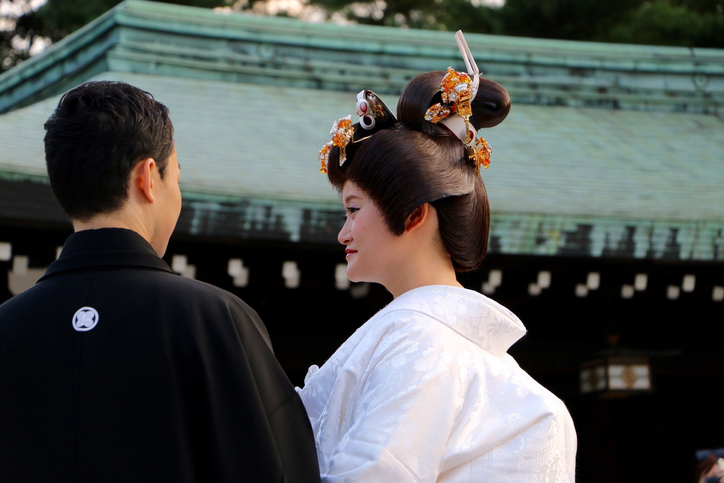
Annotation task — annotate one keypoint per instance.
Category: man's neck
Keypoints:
(112, 220)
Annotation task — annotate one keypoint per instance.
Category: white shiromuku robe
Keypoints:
(425, 391)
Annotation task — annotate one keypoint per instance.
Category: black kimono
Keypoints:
(115, 369)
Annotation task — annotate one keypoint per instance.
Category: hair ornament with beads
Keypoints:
(454, 112)
(374, 116)
(341, 133)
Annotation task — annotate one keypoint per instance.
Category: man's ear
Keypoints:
(142, 178)
(417, 217)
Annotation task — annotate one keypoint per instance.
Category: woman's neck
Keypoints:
(422, 271)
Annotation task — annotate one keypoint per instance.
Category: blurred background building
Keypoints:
(606, 186)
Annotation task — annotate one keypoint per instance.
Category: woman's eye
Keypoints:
(350, 211)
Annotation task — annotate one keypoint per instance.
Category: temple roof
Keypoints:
(609, 150)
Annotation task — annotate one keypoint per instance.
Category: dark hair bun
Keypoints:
(490, 106)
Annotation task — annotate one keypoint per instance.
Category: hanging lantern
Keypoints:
(616, 376)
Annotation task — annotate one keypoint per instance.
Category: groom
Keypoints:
(113, 368)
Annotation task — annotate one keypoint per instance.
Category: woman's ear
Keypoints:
(417, 217)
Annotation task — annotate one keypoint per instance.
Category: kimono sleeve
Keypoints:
(405, 410)
(249, 420)
(286, 417)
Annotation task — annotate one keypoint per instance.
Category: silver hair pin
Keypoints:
(470, 64)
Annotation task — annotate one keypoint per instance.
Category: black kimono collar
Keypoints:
(106, 247)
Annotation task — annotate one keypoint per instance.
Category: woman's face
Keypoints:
(372, 249)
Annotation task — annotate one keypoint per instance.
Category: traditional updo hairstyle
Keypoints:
(415, 162)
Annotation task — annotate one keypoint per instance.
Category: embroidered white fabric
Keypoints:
(425, 392)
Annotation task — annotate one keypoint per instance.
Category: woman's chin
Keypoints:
(354, 275)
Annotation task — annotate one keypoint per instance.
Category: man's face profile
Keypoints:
(169, 199)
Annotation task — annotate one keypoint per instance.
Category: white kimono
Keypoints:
(425, 392)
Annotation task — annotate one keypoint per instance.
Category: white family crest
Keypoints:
(85, 319)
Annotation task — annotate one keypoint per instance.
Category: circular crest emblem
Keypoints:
(85, 319)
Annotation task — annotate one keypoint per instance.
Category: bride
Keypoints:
(425, 390)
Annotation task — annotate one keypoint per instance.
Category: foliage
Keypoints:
(690, 23)
(23, 25)
(662, 23)
(561, 19)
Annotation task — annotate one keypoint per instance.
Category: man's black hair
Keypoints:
(94, 139)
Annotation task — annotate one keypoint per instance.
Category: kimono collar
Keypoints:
(474, 316)
(106, 248)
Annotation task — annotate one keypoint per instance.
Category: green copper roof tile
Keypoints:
(161, 39)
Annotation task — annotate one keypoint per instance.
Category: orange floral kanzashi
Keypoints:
(454, 84)
(480, 153)
(457, 89)
(342, 132)
(437, 113)
(324, 157)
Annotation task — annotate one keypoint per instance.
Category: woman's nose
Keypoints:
(344, 236)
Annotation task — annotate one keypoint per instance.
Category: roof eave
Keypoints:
(78, 56)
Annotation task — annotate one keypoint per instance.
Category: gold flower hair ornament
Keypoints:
(342, 132)
(374, 116)
(480, 153)
(458, 90)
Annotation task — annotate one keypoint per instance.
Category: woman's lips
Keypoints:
(349, 252)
